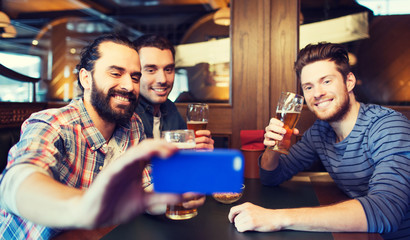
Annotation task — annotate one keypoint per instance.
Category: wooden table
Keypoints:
(304, 190)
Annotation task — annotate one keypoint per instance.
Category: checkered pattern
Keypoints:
(66, 143)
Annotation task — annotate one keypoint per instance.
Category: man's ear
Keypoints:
(85, 78)
(350, 82)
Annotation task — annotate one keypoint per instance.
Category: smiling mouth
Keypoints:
(122, 98)
(160, 90)
(323, 103)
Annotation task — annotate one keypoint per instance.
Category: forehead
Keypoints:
(317, 70)
(117, 54)
(156, 56)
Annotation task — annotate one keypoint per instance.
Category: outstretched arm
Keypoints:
(115, 196)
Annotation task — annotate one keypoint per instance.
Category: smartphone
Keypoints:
(206, 172)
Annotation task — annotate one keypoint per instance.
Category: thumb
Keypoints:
(152, 199)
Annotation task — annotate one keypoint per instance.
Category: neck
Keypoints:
(156, 109)
(105, 128)
(344, 126)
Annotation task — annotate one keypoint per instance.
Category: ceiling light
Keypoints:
(4, 20)
(223, 16)
(8, 32)
(338, 30)
(6, 29)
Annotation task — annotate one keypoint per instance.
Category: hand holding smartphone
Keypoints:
(206, 172)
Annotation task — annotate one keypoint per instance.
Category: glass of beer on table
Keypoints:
(197, 116)
(288, 111)
(184, 140)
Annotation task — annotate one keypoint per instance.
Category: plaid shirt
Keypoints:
(66, 143)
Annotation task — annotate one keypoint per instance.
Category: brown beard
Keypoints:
(101, 103)
(341, 111)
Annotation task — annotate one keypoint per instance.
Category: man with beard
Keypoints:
(364, 147)
(80, 166)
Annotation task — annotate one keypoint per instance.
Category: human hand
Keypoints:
(204, 140)
(249, 217)
(193, 200)
(116, 195)
(275, 131)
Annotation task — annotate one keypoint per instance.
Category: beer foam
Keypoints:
(185, 145)
(197, 122)
(286, 111)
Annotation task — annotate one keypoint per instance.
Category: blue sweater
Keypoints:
(371, 165)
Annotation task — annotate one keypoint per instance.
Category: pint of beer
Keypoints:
(197, 125)
(288, 111)
(184, 140)
(197, 116)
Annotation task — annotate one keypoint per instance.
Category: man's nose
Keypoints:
(161, 77)
(127, 83)
(319, 91)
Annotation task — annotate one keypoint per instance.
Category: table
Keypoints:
(304, 190)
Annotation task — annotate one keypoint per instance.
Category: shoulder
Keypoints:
(377, 111)
(170, 105)
(379, 117)
(66, 115)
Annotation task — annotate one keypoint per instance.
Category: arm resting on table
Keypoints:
(347, 216)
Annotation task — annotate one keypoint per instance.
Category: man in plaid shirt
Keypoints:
(80, 166)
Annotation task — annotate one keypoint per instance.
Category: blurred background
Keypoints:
(41, 41)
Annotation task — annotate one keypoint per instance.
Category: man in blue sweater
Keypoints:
(365, 149)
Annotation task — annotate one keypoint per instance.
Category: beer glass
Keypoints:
(197, 116)
(183, 139)
(288, 111)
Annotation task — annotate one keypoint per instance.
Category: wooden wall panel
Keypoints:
(284, 49)
(264, 42)
(220, 121)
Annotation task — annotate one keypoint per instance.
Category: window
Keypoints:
(15, 91)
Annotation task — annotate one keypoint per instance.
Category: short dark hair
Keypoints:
(91, 53)
(323, 51)
(153, 40)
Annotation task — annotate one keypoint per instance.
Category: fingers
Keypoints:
(275, 131)
(204, 140)
(158, 199)
(194, 202)
(235, 211)
(148, 148)
(205, 133)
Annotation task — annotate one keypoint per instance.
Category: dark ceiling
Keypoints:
(33, 19)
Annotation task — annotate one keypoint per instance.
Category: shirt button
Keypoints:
(100, 168)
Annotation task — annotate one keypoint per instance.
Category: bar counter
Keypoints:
(304, 190)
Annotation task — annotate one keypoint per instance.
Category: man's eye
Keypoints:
(306, 88)
(115, 74)
(169, 70)
(150, 70)
(136, 78)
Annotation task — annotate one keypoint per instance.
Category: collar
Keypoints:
(93, 136)
(147, 106)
